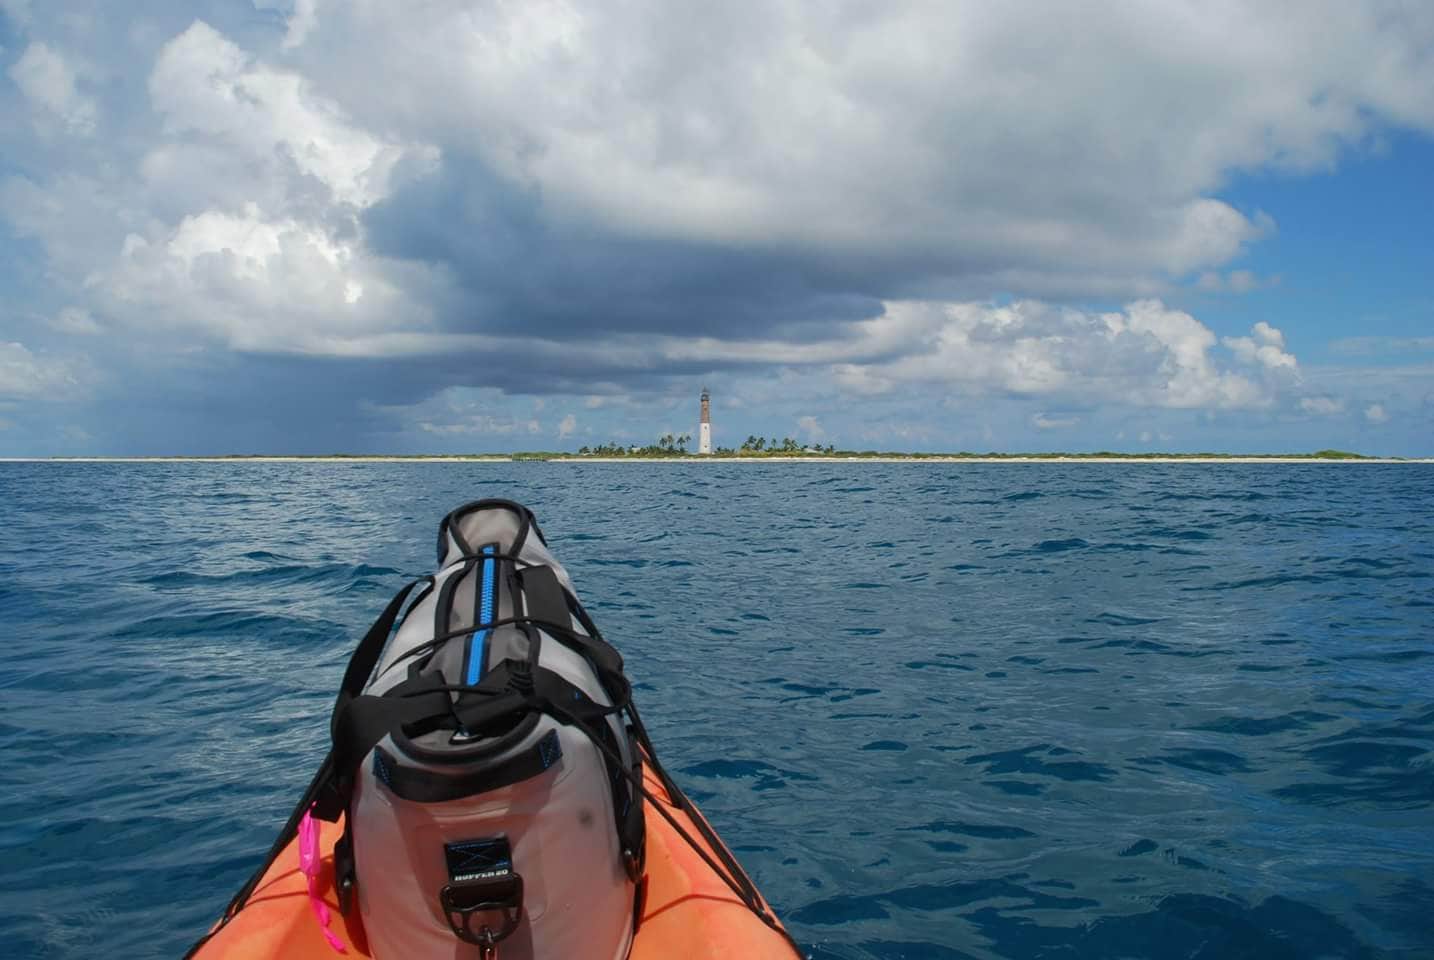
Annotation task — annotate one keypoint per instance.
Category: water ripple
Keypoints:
(940, 710)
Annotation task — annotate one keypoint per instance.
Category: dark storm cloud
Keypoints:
(517, 271)
(266, 404)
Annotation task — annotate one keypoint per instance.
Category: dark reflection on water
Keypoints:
(939, 710)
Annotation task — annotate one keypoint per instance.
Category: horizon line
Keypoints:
(1321, 456)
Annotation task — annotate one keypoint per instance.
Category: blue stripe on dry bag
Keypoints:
(487, 595)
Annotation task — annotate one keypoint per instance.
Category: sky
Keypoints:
(313, 226)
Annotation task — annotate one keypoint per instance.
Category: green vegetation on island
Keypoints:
(673, 446)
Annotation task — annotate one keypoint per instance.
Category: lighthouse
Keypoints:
(704, 430)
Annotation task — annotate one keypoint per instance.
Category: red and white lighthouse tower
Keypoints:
(704, 429)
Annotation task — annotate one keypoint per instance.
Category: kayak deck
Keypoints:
(688, 910)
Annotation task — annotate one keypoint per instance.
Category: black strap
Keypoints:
(443, 606)
(548, 603)
(426, 786)
(559, 698)
(555, 695)
(329, 793)
(421, 704)
(543, 595)
(531, 691)
(366, 719)
(369, 649)
(474, 715)
(345, 867)
(451, 525)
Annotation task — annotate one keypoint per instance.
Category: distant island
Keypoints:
(675, 447)
(758, 449)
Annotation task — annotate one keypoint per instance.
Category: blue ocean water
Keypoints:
(939, 710)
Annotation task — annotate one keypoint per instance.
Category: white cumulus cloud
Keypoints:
(1375, 413)
(1264, 347)
(260, 284)
(47, 80)
(1236, 281)
(24, 375)
(1147, 354)
(482, 424)
(266, 252)
(811, 428)
(1083, 140)
(205, 85)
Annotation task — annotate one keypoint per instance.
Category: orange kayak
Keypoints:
(688, 911)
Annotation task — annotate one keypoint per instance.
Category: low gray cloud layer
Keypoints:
(328, 217)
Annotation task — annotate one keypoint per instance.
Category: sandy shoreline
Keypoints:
(695, 459)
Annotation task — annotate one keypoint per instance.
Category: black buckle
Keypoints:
(632, 863)
(344, 869)
(502, 896)
(333, 798)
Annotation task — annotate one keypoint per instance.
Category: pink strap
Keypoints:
(309, 865)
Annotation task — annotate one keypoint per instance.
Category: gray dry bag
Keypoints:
(482, 758)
